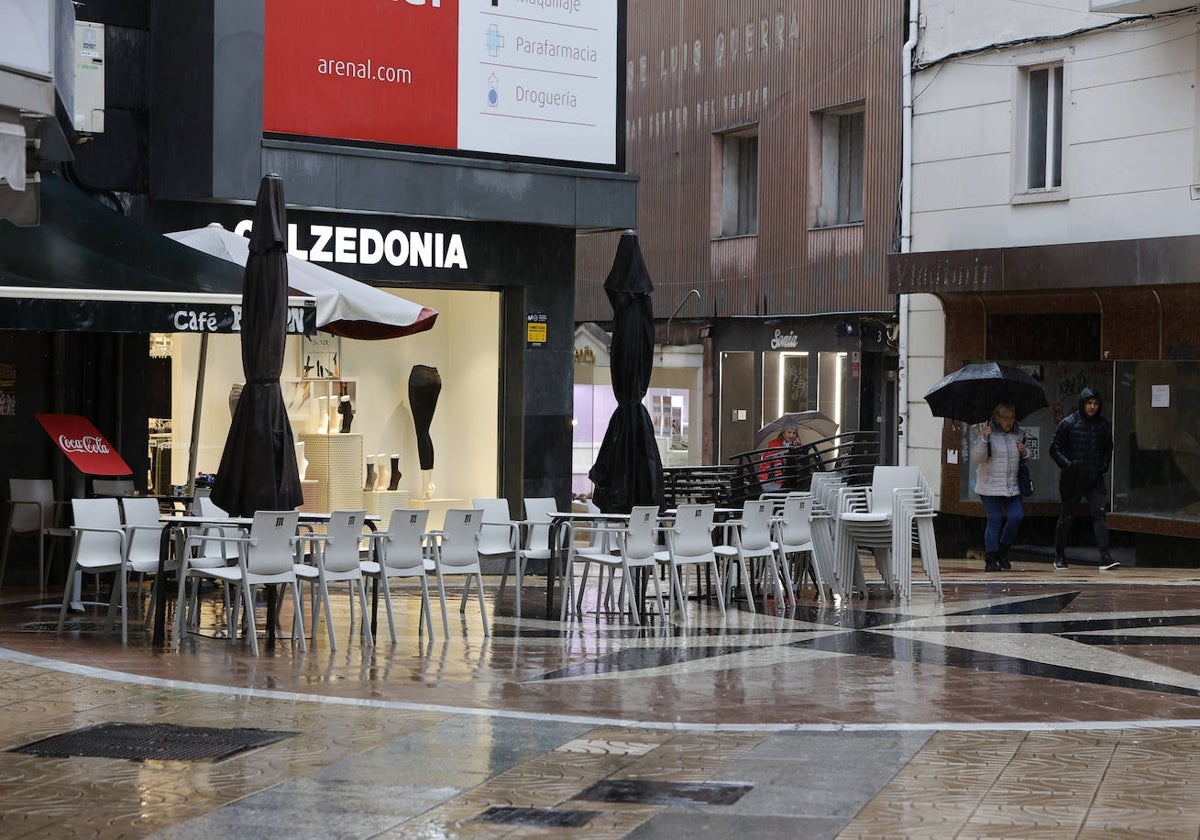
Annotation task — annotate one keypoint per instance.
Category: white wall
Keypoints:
(952, 26)
(464, 346)
(1130, 158)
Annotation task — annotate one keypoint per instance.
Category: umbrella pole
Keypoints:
(196, 407)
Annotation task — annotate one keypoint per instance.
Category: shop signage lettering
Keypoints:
(206, 321)
(785, 342)
(87, 443)
(368, 246)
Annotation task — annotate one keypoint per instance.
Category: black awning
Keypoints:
(86, 267)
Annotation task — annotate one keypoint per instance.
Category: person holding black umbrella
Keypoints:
(998, 450)
(1082, 447)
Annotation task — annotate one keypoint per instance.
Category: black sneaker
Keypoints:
(1107, 563)
(1002, 559)
(1060, 562)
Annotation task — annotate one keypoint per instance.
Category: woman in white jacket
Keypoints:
(998, 450)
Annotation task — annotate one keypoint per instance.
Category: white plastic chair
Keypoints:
(689, 543)
(100, 541)
(825, 488)
(499, 536)
(337, 559)
(749, 541)
(535, 545)
(143, 545)
(33, 510)
(637, 548)
(267, 555)
(794, 534)
(456, 552)
(400, 552)
(206, 550)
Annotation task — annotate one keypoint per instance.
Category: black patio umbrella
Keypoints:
(258, 467)
(971, 393)
(628, 469)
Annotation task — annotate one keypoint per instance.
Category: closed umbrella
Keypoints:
(258, 466)
(628, 468)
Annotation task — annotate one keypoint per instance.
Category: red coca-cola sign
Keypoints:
(83, 444)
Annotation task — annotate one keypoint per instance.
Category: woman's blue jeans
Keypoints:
(1004, 515)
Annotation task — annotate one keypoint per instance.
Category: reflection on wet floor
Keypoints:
(1029, 705)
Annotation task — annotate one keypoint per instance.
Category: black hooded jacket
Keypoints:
(1082, 445)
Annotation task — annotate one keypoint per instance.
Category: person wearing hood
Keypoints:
(1082, 447)
(998, 450)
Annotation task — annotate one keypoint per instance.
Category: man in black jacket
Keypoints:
(1082, 448)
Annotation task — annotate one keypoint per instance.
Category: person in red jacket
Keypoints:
(772, 468)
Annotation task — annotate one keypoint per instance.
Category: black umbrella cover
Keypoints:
(258, 467)
(628, 469)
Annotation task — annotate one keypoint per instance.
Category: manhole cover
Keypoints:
(664, 793)
(152, 742)
(547, 817)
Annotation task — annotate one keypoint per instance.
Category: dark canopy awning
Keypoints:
(86, 267)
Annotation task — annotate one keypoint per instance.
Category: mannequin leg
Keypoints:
(427, 485)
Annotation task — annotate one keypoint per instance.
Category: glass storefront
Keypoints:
(1156, 427)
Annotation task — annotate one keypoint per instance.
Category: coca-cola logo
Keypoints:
(88, 443)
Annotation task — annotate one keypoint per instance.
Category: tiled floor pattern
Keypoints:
(1034, 705)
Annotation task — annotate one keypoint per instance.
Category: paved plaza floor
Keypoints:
(1025, 703)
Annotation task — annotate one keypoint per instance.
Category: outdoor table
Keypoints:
(175, 532)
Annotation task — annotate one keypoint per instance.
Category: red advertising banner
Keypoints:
(80, 441)
(375, 70)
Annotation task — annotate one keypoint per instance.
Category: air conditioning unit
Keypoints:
(89, 77)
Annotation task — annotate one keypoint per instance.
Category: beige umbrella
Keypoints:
(812, 426)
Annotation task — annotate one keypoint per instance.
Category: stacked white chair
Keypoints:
(689, 543)
(881, 518)
(915, 526)
(401, 552)
(825, 487)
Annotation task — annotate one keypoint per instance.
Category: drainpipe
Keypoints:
(906, 98)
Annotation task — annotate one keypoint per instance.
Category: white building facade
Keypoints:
(1053, 224)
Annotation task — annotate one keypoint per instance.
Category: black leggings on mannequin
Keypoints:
(424, 386)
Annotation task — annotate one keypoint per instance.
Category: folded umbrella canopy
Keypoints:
(258, 466)
(971, 393)
(628, 470)
(345, 306)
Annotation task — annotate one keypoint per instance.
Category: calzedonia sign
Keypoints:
(350, 245)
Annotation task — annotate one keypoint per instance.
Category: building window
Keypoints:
(739, 183)
(1044, 128)
(840, 135)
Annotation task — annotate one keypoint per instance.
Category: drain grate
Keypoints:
(152, 742)
(547, 817)
(664, 793)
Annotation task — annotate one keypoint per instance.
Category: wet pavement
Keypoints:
(1034, 702)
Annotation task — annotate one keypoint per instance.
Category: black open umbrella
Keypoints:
(971, 393)
(258, 467)
(628, 469)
